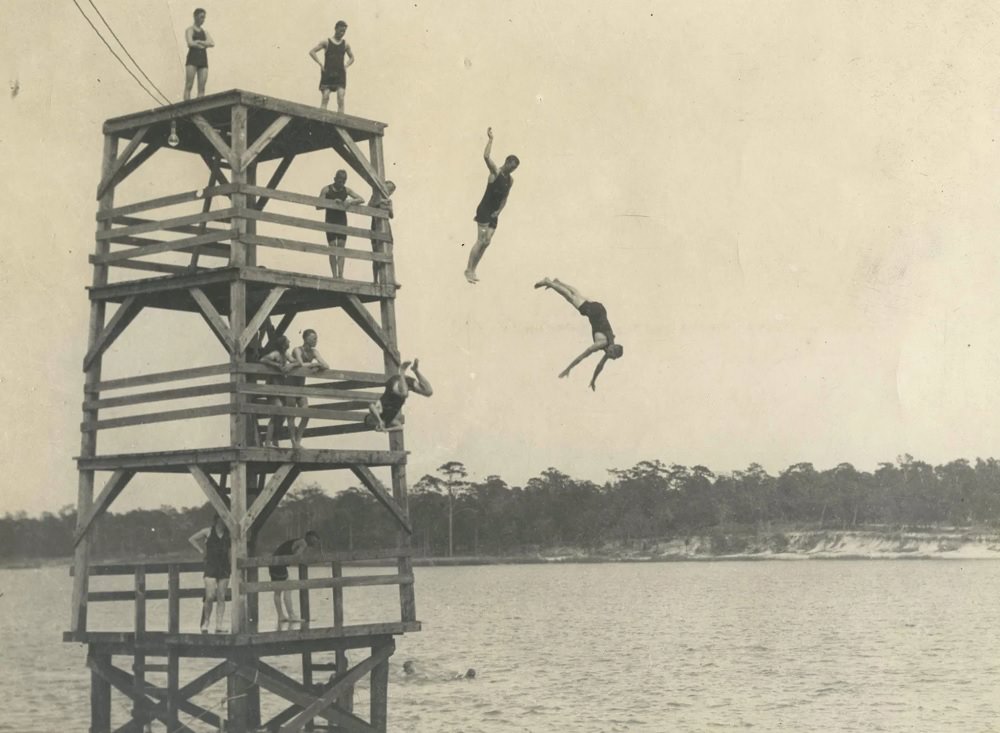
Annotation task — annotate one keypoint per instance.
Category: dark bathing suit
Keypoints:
(217, 555)
(334, 74)
(391, 402)
(334, 216)
(598, 317)
(197, 57)
(496, 192)
(280, 572)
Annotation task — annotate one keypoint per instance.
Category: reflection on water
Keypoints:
(798, 646)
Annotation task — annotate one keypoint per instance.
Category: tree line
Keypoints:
(453, 514)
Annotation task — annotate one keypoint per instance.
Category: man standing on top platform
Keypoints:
(494, 199)
(333, 68)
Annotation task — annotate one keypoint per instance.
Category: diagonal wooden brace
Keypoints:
(259, 317)
(283, 478)
(125, 314)
(272, 131)
(276, 177)
(356, 310)
(215, 139)
(112, 177)
(213, 319)
(214, 497)
(357, 160)
(375, 486)
(118, 481)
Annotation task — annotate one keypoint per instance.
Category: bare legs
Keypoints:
(288, 612)
(483, 239)
(337, 263)
(215, 593)
(324, 100)
(190, 72)
(275, 423)
(571, 294)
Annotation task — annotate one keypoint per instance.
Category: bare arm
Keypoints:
(209, 42)
(322, 194)
(486, 154)
(375, 410)
(350, 56)
(189, 38)
(318, 361)
(589, 350)
(422, 387)
(353, 198)
(597, 371)
(315, 50)
(199, 540)
(273, 359)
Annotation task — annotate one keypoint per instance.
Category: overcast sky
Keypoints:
(788, 209)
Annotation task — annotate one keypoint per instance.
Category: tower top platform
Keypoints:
(310, 128)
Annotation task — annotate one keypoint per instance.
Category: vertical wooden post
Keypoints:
(237, 689)
(382, 271)
(304, 610)
(138, 658)
(250, 225)
(173, 685)
(88, 439)
(379, 710)
(238, 550)
(173, 599)
(238, 144)
(100, 696)
(407, 601)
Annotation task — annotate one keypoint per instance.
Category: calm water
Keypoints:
(768, 646)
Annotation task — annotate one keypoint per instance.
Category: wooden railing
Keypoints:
(333, 562)
(145, 240)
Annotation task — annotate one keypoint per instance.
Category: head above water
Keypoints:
(615, 351)
(408, 667)
(312, 539)
(470, 674)
(510, 164)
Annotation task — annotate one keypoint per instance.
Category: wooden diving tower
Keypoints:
(244, 260)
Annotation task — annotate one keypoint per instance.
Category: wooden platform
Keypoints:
(257, 459)
(311, 128)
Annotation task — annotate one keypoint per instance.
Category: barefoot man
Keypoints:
(494, 199)
(386, 415)
(604, 337)
(333, 68)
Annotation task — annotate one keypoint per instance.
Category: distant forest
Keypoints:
(648, 502)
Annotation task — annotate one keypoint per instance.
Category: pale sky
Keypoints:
(788, 209)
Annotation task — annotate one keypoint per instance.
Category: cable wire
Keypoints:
(124, 66)
(115, 36)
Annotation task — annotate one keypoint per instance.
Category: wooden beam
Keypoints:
(211, 490)
(273, 680)
(125, 314)
(356, 310)
(118, 481)
(259, 317)
(161, 247)
(313, 201)
(109, 179)
(152, 417)
(160, 377)
(272, 131)
(295, 245)
(351, 581)
(137, 160)
(356, 159)
(314, 224)
(372, 483)
(173, 224)
(215, 139)
(214, 320)
(317, 558)
(213, 166)
(275, 487)
(162, 201)
(159, 395)
(276, 177)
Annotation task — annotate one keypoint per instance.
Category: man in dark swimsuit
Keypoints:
(600, 327)
(337, 191)
(493, 202)
(196, 63)
(213, 542)
(333, 68)
(386, 414)
(293, 548)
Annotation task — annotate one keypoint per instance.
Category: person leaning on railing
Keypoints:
(278, 358)
(293, 548)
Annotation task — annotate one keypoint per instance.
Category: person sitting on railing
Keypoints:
(604, 337)
(293, 548)
(277, 357)
(385, 415)
(307, 357)
(213, 543)
(337, 191)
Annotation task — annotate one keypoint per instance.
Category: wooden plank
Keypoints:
(164, 394)
(373, 379)
(276, 177)
(238, 501)
(356, 159)
(313, 282)
(215, 139)
(152, 568)
(162, 201)
(100, 695)
(220, 458)
(122, 317)
(140, 600)
(173, 599)
(379, 700)
(272, 410)
(278, 483)
(320, 558)
(337, 572)
(118, 481)
(342, 429)
(125, 684)
(160, 377)
(271, 192)
(294, 245)
(288, 390)
(205, 680)
(356, 310)
(341, 683)
(351, 581)
(319, 226)
(109, 179)
(211, 491)
(173, 683)
(265, 138)
(149, 266)
(277, 682)
(217, 172)
(153, 417)
(372, 483)
(175, 245)
(222, 331)
(259, 317)
(156, 594)
(172, 224)
(202, 228)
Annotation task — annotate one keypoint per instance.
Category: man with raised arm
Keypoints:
(386, 414)
(600, 327)
(493, 202)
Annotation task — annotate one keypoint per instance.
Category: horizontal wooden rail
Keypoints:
(323, 558)
(320, 226)
(174, 245)
(294, 245)
(163, 394)
(165, 224)
(175, 375)
(314, 201)
(349, 581)
(286, 390)
(162, 201)
(153, 567)
(150, 595)
(373, 379)
(153, 417)
(310, 412)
